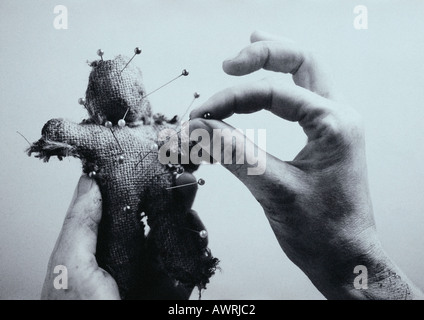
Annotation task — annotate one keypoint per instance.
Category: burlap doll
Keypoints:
(118, 146)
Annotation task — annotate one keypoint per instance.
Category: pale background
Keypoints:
(43, 73)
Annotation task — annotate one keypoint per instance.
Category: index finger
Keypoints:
(282, 55)
(289, 102)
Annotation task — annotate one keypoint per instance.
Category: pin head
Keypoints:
(108, 124)
(121, 123)
(92, 174)
(201, 182)
(203, 234)
(207, 115)
(196, 95)
(100, 53)
(184, 73)
(81, 101)
(137, 50)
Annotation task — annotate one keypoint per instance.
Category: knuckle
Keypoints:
(304, 57)
(352, 122)
(264, 52)
(344, 124)
(309, 55)
(269, 84)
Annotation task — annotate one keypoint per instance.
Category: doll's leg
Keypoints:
(180, 239)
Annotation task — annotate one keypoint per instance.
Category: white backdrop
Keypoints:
(43, 73)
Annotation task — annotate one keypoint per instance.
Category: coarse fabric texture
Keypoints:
(133, 182)
(113, 90)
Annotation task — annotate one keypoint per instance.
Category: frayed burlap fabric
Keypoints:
(133, 183)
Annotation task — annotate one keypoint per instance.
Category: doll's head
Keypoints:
(115, 90)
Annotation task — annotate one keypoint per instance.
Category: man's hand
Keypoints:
(76, 247)
(318, 205)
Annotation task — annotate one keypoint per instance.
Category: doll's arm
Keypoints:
(60, 138)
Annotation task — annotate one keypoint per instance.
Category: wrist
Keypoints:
(365, 272)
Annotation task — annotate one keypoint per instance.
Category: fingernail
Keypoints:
(231, 59)
(84, 185)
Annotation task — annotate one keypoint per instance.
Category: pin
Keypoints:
(23, 137)
(108, 124)
(92, 174)
(125, 114)
(183, 73)
(121, 159)
(195, 96)
(100, 53)
(116, 139)
(202, 233)
(121, 123)
(155, 147)
(137, 51)
(141, 160)
(207, 115)
(81, 101)
(200, 182)
(174, 134)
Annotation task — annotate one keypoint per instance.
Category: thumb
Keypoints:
(263, 174)
(187, 194)
(83, 217)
